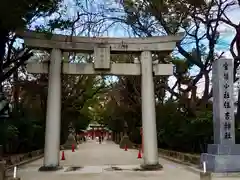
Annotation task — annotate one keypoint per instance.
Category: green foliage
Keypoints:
(11, 131)
(25, 130)
(181, 66)
(175, 130)
(181, 133)
(171, 14)
(19, 13)
(22, 132)
(7, 131)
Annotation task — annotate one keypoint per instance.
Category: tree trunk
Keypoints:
(16, 91)
(3, 41)
(204, 101)
(238, 55)
(193, 100)
(238, 108)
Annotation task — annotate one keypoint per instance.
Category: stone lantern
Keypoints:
(125, 141)
(71, 140)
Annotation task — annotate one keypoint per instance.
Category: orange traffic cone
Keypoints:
(63, 156)
(139, 154)
(126, 148)
(73, 148)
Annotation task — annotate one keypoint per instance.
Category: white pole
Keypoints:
(148, 111)
(15, 172)
(53, 119)
(204, 167)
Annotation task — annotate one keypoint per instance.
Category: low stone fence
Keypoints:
(8, 163)
(179, 157)
(20, 159)
(189, 159)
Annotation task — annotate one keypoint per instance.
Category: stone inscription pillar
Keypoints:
(224, 155)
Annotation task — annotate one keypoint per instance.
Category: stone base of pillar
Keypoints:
(205, 176)
(151, 167)
(125, 141)
(50, 168)
(221, 163)
(218, 176)
(12, 178)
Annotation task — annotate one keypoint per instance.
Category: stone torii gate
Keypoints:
(102, 48)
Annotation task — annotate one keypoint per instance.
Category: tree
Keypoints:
(78, 94)
(28, 93)
(184, 118)
(15, 15)
(150, 18)
(234, 44)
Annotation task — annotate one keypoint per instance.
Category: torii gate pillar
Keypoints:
(148, 113)
(53, 119)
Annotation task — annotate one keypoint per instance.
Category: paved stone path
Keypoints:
(93, 161)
